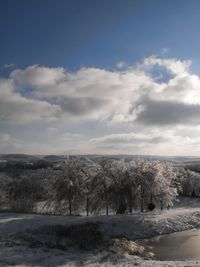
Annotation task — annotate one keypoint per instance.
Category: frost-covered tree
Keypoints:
(190, 182)
(89, 172)
(122, 187)
(164, 188)
(144, 177)
(69, 184)
(133, 192)
(94, 185)
(155, 182)
(101, 187)
(114, 186)
(4, 182)
(23, 192)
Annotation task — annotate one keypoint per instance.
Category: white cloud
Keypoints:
(9, 66)
(121, 64)
(114, 96)
(90, 92)
(37, 77)
(15, 108)
(131, 138)
(72, 136)
(173, 65)
(151, 143)
(131, 98)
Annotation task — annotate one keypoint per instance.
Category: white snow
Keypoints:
(184, 216)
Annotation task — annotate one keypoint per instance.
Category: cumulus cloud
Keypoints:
(128, 138)
(157, 93)
(82, 106)
(154, 142)
(113, 96)
(172, 65)
(37, 77)
(15, 108)
(168, 113)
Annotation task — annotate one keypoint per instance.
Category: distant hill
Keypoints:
(177, 160)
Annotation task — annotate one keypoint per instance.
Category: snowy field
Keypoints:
(184, 216)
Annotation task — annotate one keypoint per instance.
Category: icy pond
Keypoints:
(176, 246)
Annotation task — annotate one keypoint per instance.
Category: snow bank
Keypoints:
(132, 227)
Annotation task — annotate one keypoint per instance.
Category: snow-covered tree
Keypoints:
(4, 182)
(190, 182)
(23, 192)
(101, 187)
(89, 172)
(164, 188)
(155, 182)
(69, 179)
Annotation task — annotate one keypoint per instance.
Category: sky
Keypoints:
(100, 77)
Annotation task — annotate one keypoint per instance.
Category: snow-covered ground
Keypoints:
(184, 216)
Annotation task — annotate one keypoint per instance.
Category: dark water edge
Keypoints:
(175, 246)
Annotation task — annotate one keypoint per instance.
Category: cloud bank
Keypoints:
(131, 109)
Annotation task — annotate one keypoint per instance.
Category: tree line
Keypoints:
(97, 186)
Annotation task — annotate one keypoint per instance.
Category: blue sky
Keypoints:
(74, 33)
(107, 77)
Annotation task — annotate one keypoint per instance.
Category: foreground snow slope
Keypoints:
(185, 216)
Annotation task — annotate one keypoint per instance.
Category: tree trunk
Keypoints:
(141, 198)
(106, 196)
(70, 206)
(87, 205)
(130, 208)
(107, 209)
(141, 208)
(161, 205)
(121, 209)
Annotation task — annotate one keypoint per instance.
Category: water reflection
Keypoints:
(176, 246)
